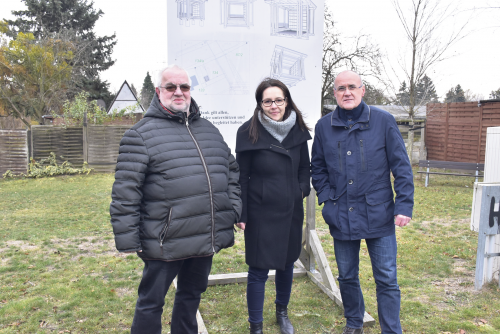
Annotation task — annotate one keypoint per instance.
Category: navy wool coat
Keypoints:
(351, 172)
(274, 179)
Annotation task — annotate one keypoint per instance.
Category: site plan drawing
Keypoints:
(216, 67)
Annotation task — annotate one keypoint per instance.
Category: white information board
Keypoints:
(229, 46)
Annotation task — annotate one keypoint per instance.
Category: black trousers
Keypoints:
(192, 280)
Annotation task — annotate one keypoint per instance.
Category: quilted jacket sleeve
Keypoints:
(233, 187)
(126, 195)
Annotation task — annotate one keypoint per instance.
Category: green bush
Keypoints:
(49, 167)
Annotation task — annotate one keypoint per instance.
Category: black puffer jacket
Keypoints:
(176, 193)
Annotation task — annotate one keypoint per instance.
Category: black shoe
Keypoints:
(349, 330)
(256, 328)
(282, 319)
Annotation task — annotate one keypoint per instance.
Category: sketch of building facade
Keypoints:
(236, 13)
(287, 66)
(191, 10)
(216, 67)
(292, 18)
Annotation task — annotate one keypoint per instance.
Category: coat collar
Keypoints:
(364, 118)
(294, 138)
(156, 109)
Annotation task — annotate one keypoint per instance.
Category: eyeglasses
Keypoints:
(278, 102)
(342, 89)
(172, 88)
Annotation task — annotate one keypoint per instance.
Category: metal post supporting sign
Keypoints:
(489, 227)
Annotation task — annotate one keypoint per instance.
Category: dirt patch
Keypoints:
(121, 292)
(21, 244)
(95, 247)
(446, 222)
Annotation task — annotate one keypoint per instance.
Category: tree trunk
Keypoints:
(411, 135)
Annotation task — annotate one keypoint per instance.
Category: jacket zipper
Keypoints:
(362, 150)
(209, 183)
(164, 230)
(340, 157)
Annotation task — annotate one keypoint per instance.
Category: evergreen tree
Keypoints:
(403, 97)
(77, 17)
(495, 94)
(425, 91)
(456, 94)
(147, 91)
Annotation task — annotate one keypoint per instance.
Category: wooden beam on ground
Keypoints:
(201, 325)
(242, 277)
(323, 266)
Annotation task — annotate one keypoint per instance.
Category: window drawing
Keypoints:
(191, 10)
(236, 13)
(287, 66)
(292, 18)
(216, 67)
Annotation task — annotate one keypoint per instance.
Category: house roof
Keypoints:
(125, 98)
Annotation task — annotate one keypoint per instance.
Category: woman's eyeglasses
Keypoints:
(278, 102)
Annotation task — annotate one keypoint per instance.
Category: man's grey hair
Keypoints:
(170, 67)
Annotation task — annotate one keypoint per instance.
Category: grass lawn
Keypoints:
(60, 272)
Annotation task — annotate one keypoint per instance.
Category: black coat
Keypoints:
(274, 179)
(176, 192)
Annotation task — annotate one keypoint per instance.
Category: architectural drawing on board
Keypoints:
(191, 10)
(236, 13)
(292, 18)
(287, 66)
(216, 67)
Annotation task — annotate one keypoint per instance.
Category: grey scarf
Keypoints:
(278, 130)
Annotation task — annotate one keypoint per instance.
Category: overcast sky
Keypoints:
(142, 42)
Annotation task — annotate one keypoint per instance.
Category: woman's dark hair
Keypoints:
(253, 133)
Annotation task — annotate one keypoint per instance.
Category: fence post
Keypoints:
(421, 154)
(85, 143)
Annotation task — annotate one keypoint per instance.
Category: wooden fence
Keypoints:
(13, 151)
(96, 144)
(102, 144)
(457, 131)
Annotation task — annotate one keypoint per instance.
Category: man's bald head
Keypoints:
(347, 73)
(348, 89)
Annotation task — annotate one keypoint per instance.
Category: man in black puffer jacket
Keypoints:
(175, 199)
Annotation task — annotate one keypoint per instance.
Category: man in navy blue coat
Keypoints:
(355, 149)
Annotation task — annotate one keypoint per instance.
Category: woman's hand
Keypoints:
(241, 225)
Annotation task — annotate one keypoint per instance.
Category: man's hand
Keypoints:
(241, 225)
(401, 220)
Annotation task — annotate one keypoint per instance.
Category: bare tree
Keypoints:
(422, 22)
(346, 53)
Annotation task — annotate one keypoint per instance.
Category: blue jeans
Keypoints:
(383, 253)
(192, 280)
(256, 288)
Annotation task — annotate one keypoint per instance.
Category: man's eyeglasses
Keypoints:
(342, 89)
(278, 102)
(172, 88)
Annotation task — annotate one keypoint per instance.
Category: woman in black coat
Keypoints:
(272, 152)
